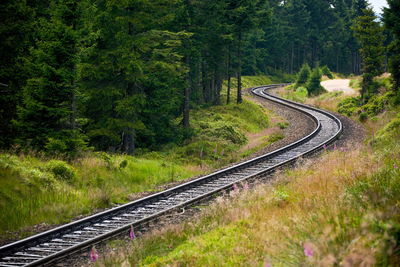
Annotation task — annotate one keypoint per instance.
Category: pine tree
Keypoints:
(16, 31)
(391, 18)
(303, 76)
(369, 34)
(314, 84)
(47, 114)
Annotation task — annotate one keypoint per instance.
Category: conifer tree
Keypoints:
(314, 84)
(392, 23)
(369, 34)
(303, 76)
(47, 113)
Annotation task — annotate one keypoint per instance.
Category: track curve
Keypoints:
(46, 247)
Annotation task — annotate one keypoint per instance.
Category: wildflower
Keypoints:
(334, 147)
(245, 186)
(395, 166)
(267, 264)
(132, 233)
(308, 250)
(325, 147)
(222, 152)
(93, 254)
(235, 187)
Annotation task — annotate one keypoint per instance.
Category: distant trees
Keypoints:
(123, 75)
(369, 34)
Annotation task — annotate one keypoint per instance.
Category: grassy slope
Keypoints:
(344, 210)
(34, 190)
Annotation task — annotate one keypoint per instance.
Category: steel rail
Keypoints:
(59, 242)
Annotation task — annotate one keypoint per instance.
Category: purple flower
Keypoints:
(235, 187)
(267, 264)
(308, 250)
(334, 147)
(245, 186)
(132, 233)
(93, 254)
(395, 166)
(325, 147)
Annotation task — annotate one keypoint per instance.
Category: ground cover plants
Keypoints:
(341, 209)
(35, 189)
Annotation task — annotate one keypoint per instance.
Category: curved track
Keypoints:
(57, 243)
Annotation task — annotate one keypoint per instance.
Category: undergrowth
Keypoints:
(38, 190)
(341, 209)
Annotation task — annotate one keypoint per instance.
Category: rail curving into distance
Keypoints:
(42, 249)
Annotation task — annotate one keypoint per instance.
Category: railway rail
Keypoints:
(44, 248)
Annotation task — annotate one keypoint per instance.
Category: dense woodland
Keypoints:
(120, 75)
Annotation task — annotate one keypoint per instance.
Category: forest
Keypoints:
(121, 75)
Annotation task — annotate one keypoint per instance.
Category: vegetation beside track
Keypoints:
(35, 189)
(340, 209)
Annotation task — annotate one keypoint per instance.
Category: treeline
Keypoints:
(118, 75)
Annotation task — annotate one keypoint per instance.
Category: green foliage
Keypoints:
(314, 84)
(327, 72)
(349, 106)
(368, 32)
(376, 104)
(391, 18)
(303, 75)
(61, 170)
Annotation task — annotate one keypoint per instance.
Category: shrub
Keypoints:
(327, 72)
(303, 75)
(314, 85)
(61, 170)
(349, 106)
(228, 132)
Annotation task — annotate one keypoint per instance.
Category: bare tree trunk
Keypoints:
(186, 103)
(228, 94)
(239, 73)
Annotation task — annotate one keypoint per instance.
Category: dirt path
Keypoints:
(339, 85)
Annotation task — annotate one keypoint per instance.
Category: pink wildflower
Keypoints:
(132, 233)
(325, 147)
(245, 186)
(308, 250)
(334, 147)
(93, 254)
(235, 187)
(267, 264)
(395, 166)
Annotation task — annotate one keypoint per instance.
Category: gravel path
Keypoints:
(339, 85)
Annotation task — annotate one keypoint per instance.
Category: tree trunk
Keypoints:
(186, 103)
(239, 73)
(228, 94)
(128, 142)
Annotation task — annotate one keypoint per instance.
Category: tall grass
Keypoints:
(340, 210)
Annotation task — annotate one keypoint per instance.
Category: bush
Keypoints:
(327, 72)
(303, 76)
(314, 85)
(69, 142)
(61, 170)
(228, 132)
(349, 106)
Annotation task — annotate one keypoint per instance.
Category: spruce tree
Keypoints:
(391, 17)
(47, 113)
(368, 32)
(303, 76)
(314, 84)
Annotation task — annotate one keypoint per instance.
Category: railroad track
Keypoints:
(44, 248)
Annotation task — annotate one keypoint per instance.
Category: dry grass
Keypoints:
(313, 206)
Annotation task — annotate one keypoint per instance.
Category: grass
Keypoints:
(341, 209)
(36, 190)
